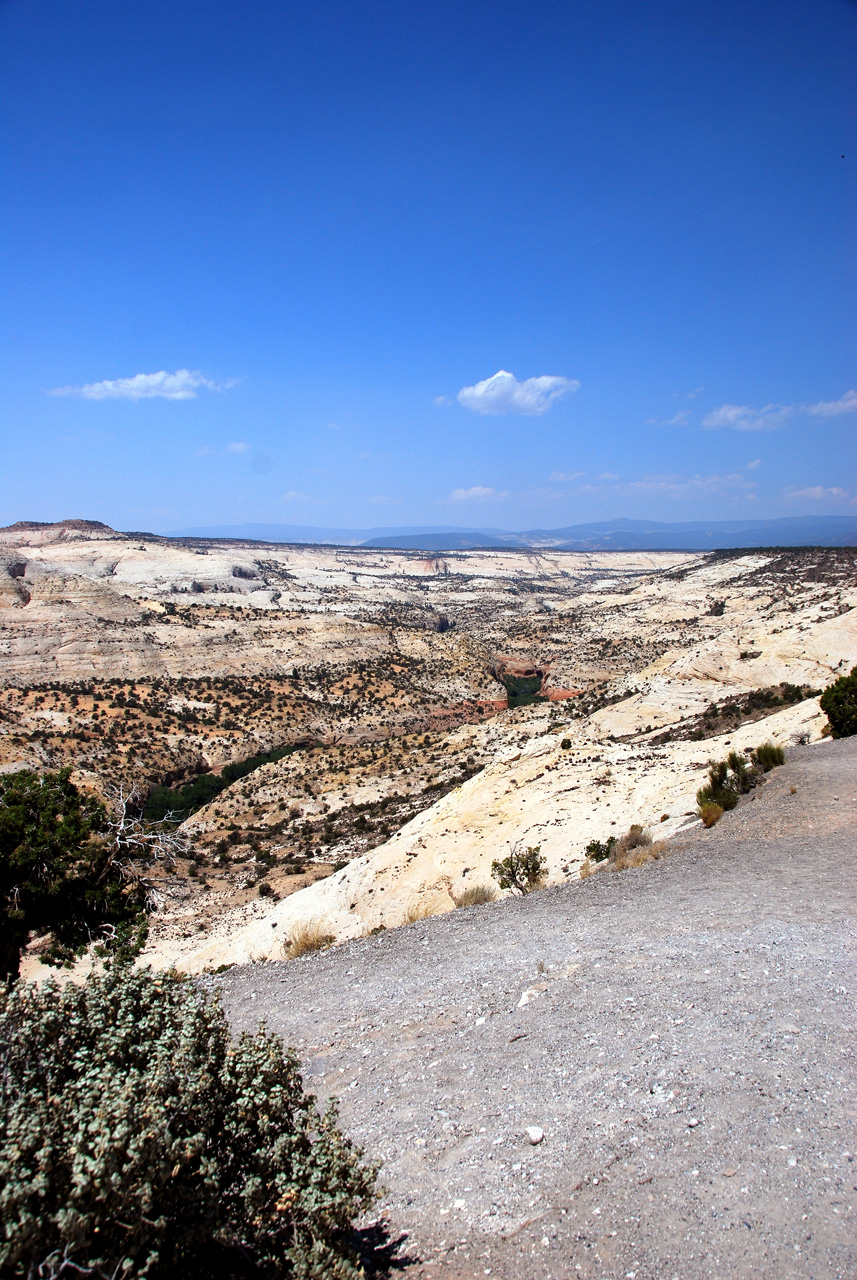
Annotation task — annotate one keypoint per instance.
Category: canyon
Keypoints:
(417, 715)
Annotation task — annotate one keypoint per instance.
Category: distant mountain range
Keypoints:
(606, 535)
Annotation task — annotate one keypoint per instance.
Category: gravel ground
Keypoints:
(679, 1039)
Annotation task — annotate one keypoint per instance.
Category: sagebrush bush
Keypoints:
(633, 849)
(138, 1140)
(839, 704)
(732, 778)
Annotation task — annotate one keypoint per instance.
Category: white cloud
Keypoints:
(751, 466)
(181, 385)
(818, 493)
(679, 419)
(678, 486)
(740, 417)
(477, 493)
(441, 401)
(295, 495)
(505, 394)
(237, 446)
(607, 475)
(565, 476)
(832, 408)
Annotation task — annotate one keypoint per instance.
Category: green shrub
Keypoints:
(63, 871)
(732, 778)
(768, 757)
(719, 789)
(839, 703)
(599, 851)
(521, 871)
(139, 1140)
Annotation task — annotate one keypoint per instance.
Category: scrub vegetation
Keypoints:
(139, 1140)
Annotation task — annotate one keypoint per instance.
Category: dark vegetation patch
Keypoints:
(522, 691)
(180, 802)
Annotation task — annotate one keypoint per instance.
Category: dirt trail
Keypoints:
(682, 1034)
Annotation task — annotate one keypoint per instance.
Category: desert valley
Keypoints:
(350, 737)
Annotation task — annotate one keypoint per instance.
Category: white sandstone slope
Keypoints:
(558, 799)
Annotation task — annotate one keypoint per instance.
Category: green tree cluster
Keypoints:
(62, 872)
(839, 704)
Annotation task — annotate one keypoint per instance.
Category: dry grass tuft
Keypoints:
(418, 911)
(305, 937)
(587, 869)
(710, 813)
(476, 895)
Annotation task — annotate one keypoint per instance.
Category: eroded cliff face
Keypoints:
(145, 659)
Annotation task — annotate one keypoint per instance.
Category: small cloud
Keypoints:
(237, 446)
(607, 475)
(505, 394)
(181, 385)
(751, 466)
(477, 493)
(565, 477)
(818, 493)
(441, 401)
(832, 408)
(740, 417)
(680, 419)
(678, 486)
(691, 395)
(295, 495)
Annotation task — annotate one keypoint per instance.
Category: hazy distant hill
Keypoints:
(605, 535)
(646, 535)
(311, 534)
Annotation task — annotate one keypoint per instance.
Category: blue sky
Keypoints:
(264, 260)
